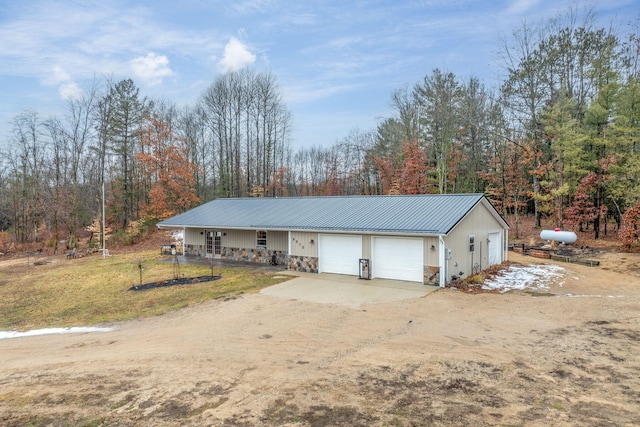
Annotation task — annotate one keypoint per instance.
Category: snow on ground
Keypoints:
(526, 277)
(14, 334)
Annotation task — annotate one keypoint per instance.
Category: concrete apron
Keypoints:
(349, 291)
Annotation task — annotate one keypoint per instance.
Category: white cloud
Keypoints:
(253, 6)
(520, 7)
(70, 90)
(236, 56)
(67, 88)
(58, 76)
(151, 69)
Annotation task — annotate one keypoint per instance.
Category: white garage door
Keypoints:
(398, 258)
(339, 254)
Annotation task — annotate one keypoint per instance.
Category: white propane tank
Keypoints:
(558, 235)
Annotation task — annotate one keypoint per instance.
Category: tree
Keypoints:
(79, 133)
(249, 127)
(59, 189)
(26, 176)
(408, 110)
(586, 208)
(571, 161)
(524, 94)
(169, 170)
(622, 134)
(628, 233)
(508, 179)
(415, 173)
(408, 174)
(126, 112)
(193, 130)
(438, 96)
(555, 68)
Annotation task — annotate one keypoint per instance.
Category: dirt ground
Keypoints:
(567, 357)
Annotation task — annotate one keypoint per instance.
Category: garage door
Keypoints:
(398, 258)
(339, 254)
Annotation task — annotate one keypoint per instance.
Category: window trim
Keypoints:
(261, 239)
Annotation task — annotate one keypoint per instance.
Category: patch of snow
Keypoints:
(526, 277)
(47, 331)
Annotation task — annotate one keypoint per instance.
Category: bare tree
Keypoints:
(27, 164)
(249, 128)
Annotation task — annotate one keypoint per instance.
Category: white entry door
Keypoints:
(495, 248)
(339, 253)
(398, 258)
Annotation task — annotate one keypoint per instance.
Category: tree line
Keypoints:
(559, 139)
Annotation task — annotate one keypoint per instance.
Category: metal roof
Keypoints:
(413, 214)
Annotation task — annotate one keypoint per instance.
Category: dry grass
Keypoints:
(93, 290)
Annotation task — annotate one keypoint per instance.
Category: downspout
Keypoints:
(441, 261)
(288, 248)
(505, 247)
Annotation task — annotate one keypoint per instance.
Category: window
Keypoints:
(472, 243)
(261, 239)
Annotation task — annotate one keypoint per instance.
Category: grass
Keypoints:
(93, 290)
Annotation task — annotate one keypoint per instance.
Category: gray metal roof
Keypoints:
(414, 214)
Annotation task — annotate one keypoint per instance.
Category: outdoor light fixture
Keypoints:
(433, 247)
(312, 241)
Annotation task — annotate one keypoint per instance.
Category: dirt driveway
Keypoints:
(571, 357)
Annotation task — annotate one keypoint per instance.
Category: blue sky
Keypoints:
(337, 62)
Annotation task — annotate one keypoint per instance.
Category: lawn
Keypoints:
(95, 290)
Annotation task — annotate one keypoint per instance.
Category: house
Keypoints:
(418, 238)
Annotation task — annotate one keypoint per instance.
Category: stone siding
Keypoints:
(239, 254)
(194, 250)
(307, 264)
(253, 255)
(431, 275)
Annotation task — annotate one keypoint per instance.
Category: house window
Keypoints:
(472, 243)
(261, 239)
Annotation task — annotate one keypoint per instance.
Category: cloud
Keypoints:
(520, 7)
(151, 69)
(70, 90)
(253, 6)
(67, 88)
(236, 56)
(58, 76)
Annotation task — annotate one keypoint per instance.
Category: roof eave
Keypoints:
(310, 230)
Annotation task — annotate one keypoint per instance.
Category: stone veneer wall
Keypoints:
(431, 275)
(238, 254)
(194, 250)
(307, 264)
(254, 255)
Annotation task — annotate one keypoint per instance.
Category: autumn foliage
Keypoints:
(166, 165)
(406, 174)
(628, 233)
(585, 209)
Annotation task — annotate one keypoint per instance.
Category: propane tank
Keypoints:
(559, 235)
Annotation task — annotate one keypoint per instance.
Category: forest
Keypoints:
(557, 141)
